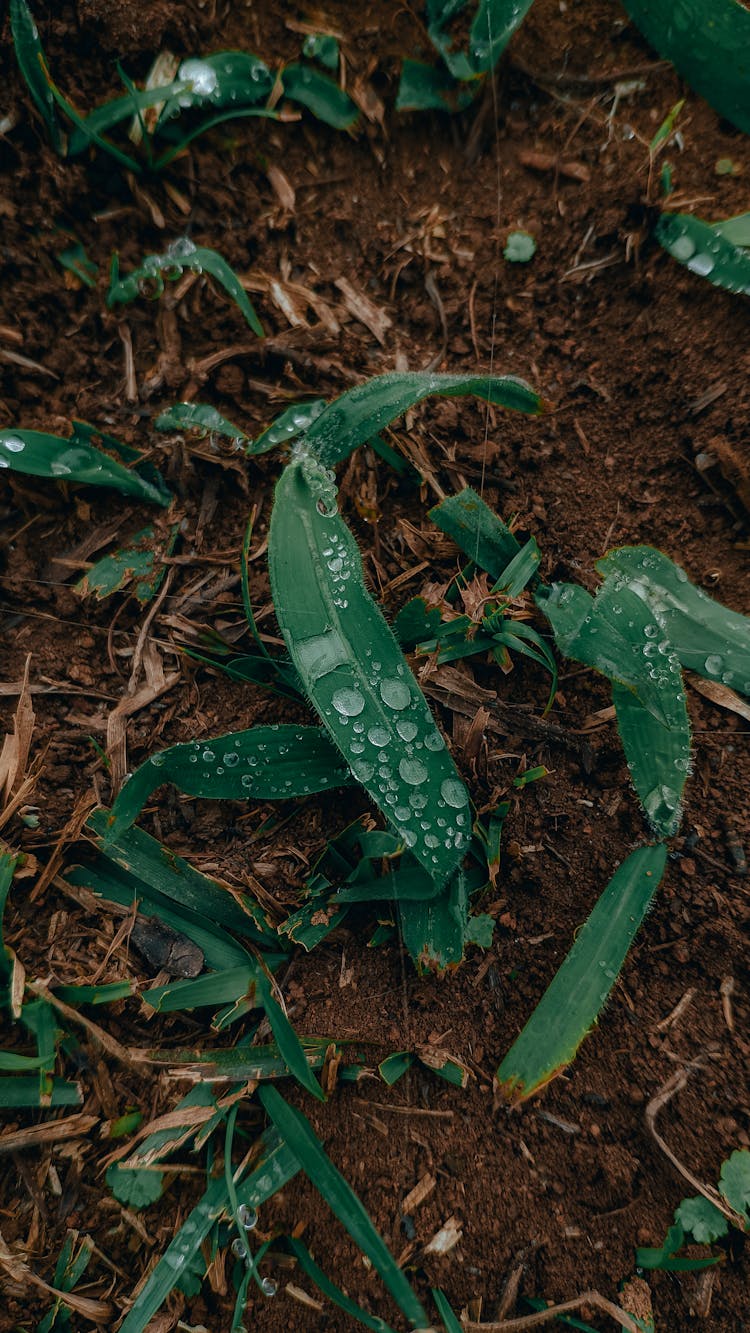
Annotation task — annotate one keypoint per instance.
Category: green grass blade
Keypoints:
(23, 1090)
(520, 571)
(243, 1064)
(319, 94)
(277, 1166)
(124, 159)
(182, 254)
(424, 88)
(37, 454)
(107, 880)
(161, 869)
(264, 763)
(493, 25)
(111, 113)
(137, 565)
(707, 637)
(355, 674)
(76, 261)
(327, 1179)
(107, 993)
(203, 418)
(450, 1321)
(573, 1000)
(329, 1289)
(290, 423)
(289, 1044)
(8, 864)
(658, 756)
(225, 78)
(479, 533)
(436, 930)
(708, 45)
(702, 248)
(206, 992)
(243, 113)
(361, 412)
(32, 64)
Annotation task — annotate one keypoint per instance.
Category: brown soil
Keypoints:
(629, 347)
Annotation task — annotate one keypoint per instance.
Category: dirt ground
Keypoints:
(648, 369)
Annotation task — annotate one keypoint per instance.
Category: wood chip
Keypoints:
(446, 1238)
(282, 189)
(15, 752)
(304, 1298)
(720, 694)
(577, 171)
(362, 308)
(51, 1131)
(417, 1196)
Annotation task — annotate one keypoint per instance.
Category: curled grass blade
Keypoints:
(274, 1169)
(708, 46)
(492, 27)
(32, 64)
(707, 637)
(355, 674)
(200, 417)
(572, 1002)
(37, 454)
(361, 412)
(264, 763)
(704, 249)
(320, 95)
(180, 255)
(299, 1137)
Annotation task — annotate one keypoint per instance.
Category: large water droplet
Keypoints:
(407, 730)
(714, 664)
(13, 443)
(434, 741)
(395, 693)
(348, 702)
(379, 736)
(414, 772)
(454, 793)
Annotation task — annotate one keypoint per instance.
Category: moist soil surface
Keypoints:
(646, 368)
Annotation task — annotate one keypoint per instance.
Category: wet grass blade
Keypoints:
(708, 46)
(290, 423)
(355, 674)
(492, 27)
(32, 64)
(360, 413)
(275, 1168)
(162, 870)
(705, 249)
(437, 930)
(477, 531)
(37, 454)
(707, 637)
(90, 129)
(202, 418)
(137, 565)
(329, 1288)
(320, 95)
(658, 756)
(264, 763)
(218, 988)
(180, 255)
(327, 1179)
(244, 1064)
(224, 79)
(572, 1002)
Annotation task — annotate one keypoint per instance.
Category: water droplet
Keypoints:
(157, 760)
(434, 741)
(349, 703)
(231, 759)
(248, 1217)
(454, 793)
(701, 264)
(208, 756)
(13, 443)
(238, 1248)
(683, 248)
(269, 1287)
(378, 736)
(395, 693)
(714, 663)
(414, 772)
(407, 730)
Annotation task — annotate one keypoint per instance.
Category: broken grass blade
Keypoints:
(574, 999)
(23, 1090)
(436, 930)
(161, 869)
(181, 254)
(355, 675)
(320, 95)
(264, 763)
(338, 1194)
(139, 562)
(245, 1064)
(200, 417)
(289, 1044)
(704, 250)
(707, 637)
(477, 531)
(708, 46)
(32, 64)
(37, 454)
(361, 412)
(277, 1166)
(329, 1288)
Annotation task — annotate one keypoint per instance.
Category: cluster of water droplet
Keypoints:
(262, 761)
(320, 480)
(248, 1219)
(714, 255)
(290, 423)
(11, 444)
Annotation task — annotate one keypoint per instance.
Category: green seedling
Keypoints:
(180, 255)
(36, 454)
(323, 48)
(718, 251)
(710, 53)
(204, 420)
(705, 1222)
(69, 1269)
(493, 24)
(430, 88)
(309, 88)
(571, 1004)
(76, 261)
